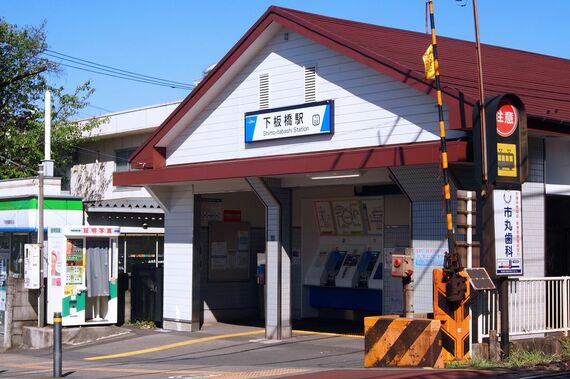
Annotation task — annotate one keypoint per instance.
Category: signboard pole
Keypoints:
(504, 308)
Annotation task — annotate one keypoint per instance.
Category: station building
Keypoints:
(310, 153)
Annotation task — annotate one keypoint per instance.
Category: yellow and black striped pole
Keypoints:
(452, 260)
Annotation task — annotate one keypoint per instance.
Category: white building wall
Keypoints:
(178, 253)
(557, 175)
(134, 121)
(92, 177)
(370, 109)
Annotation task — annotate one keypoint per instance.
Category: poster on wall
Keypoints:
(229, 252)
(210, 210)
(32, 266)
(324, 217)
(347, 217)
(429, 257)
(374, 211)
(219, 256)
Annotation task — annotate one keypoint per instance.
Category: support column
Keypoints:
(179, 258)
(278, 270)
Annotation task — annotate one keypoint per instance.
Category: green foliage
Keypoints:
(23, 81)
(517, 358)
(142, 324)
(523, 358)
(565, 344)
(479, 363)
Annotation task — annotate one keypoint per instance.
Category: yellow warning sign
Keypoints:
(507, 159)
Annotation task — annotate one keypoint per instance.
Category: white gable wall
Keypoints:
(370, 108)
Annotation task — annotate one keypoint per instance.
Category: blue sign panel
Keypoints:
(295, 121)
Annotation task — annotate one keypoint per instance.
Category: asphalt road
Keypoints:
(219, 351)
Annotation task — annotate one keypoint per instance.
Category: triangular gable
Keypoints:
(372, 45)
(152, 155)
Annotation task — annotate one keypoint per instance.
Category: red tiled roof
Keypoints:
(542, 82)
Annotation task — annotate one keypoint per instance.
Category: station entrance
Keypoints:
(341, 235)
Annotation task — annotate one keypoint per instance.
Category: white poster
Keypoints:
(374, 210)
(32, 266)
(347, 217)
(219, 256)
(324, 217)
(508, 232)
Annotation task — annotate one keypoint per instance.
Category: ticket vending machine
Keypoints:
(376, 278)
(326, 264)
(347, 275)
(316, 276)
(82, 274)
(365, 267)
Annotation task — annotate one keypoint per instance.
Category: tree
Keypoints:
(24, 75)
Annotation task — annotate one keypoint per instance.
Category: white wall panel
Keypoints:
(370, 108)
(178, 245)
(557, 167)
(533, 208)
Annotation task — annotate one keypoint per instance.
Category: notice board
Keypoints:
(229, 252)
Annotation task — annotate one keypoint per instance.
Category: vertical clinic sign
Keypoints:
(508, 232)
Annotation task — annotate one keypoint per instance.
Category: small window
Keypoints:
(122, 159)
(263, 91)
(310, 84)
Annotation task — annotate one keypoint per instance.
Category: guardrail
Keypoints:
(536, 306)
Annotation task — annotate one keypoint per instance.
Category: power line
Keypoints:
(100, 108)
(95, 152)
(127, 78)
(103, 67)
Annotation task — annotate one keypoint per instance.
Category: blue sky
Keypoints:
(177, 40)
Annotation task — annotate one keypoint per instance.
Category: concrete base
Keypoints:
(271, 332)
(551, 345)
(40, 338)
(179, 326)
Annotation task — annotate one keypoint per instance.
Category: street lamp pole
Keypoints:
(41, 302)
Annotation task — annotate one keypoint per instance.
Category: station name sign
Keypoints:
(294, 121)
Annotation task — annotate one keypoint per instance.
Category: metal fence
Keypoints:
(536, 306)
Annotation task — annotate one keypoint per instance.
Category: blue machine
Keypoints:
(366, 266)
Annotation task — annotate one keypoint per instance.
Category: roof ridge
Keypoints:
(372, 26)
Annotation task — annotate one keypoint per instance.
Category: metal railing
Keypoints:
(536, 306)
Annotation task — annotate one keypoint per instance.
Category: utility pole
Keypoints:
(45, 169)
(41, 298)
(487, 188)
(485, 176)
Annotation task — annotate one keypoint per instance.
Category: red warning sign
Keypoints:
(507, 119)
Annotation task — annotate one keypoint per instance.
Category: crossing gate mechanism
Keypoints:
(454, 316)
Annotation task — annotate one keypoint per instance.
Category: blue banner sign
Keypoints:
(295, 121)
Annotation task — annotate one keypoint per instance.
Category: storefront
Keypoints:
(303, 160)
(19, 226)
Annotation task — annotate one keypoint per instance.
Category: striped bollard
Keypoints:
(57, 345)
